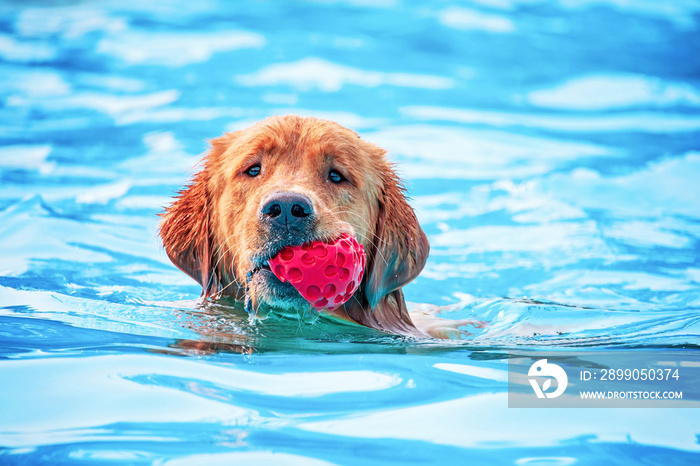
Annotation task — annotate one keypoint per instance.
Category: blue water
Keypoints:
(551, 150)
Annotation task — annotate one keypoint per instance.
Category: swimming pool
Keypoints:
(550, 149)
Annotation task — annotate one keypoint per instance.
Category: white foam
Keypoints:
(111, 82)
(102, 194)
(646, 233)
(14, 50)
(586, 279)
(563, 236)
(24, 156)
(504, 4)
(347, 119)
(525, 206)
(175, 49)
(364, 3)
(114, 105)
(663, 188)
(144, 202)
(31, 83)
(71, 22)
(172, 114)
(474, 371)
(450, 153)
(650, 122)
(314, 73)
(679, 12)
(165, 155)
(162, 142)
(611, 91)
(693, 274)
(466, 19)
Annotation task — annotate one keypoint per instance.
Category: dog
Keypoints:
(287, 181)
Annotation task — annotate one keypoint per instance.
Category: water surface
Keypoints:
(550, 149)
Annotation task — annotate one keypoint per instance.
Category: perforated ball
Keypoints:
(325, 274)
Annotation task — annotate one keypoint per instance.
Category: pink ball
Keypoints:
(325, 274)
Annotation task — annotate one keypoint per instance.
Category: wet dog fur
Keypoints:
(221, 228)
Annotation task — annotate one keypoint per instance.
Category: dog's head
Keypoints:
(288, 181)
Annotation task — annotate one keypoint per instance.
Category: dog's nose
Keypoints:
(288, 209)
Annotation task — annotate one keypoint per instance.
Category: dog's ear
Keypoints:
(400, 247)
(185, 227)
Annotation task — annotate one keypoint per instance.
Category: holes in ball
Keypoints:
(350, 288)
(295, 274)
(329, 291)
(313, 292)
(331, 270)
(320, 250)
(287, 254)
(321, 302)
(343, 273)
(308, 259)
(340, 259)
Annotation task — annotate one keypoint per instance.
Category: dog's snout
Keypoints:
(290, 209)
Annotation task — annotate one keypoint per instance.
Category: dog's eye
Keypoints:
(253, 170)
(336, 177)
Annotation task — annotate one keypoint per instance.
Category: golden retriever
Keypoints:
(288, 181)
